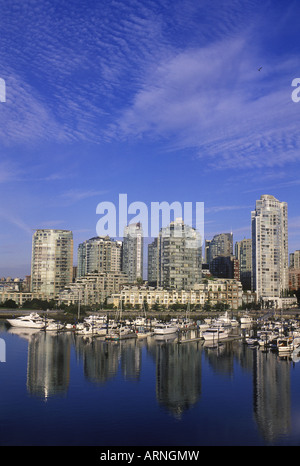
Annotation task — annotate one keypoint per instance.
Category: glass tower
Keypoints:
(269, 247)
(52, 261)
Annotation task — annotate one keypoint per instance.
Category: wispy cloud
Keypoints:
(225, 208)
(15, 220)
(75, 195)
(214, 100)
(163, 67)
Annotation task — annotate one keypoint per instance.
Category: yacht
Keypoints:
(140, 322)
(215, 333)
(165, 329)
(246, 319)
(222, 321)
(202, 328)
(95, 320)
(52, 325)
(32, 320)
(285, 345)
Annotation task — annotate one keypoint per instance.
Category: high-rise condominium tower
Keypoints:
(295, 260)
(99, 254)
(269, 247)
(52, 261)
(243, 252)
(152, 262)
(179, 256)
(220, 245)
(133, 252)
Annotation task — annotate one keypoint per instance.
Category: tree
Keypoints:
(10, 303)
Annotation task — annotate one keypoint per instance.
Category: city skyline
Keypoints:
(165, 101)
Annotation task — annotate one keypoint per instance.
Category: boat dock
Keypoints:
(232, 337)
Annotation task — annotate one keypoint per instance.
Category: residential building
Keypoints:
(225, 267)
(295, 260)
(214, 291)
(93, 288)
(153, 262)
(133, 246)
(52, 261)
(243, 252)
(99, 254)
(20, 297)
(294, 279)
(220, 245)
(179, 256)
(270, 247)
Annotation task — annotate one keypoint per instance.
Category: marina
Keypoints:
(154, 389)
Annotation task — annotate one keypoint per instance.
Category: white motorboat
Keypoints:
(53, 326)
(145, 334)
(95, 320)
(234, 322)
(140, 322)
(222, 321)
(202, 328)
(215, 333)
(246, 319)
(165, 329)
(121, 333)
(86, 330)
(32, 320)
(266, 337)
(285, 345)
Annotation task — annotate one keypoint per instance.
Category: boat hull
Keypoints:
(215, 335)
(165, 331)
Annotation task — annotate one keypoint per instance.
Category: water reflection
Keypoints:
(271, 394)
(178, 375)
(178, 371)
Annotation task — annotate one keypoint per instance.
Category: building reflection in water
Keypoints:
(178, 375)
(48, 369)
(101, 359)
(178, 372)
(271, 384)
(272, 395)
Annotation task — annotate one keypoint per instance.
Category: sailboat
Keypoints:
(121, 332)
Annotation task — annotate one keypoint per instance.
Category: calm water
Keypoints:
(64, 390)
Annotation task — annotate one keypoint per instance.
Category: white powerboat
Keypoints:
(246, 319)
(285, 345)
(165, 329)
(53, 326)
(222, 321)
(32, 320)
(215, 333)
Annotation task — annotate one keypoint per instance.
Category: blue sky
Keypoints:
(158, 99)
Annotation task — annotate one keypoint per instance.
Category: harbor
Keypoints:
(270, 329)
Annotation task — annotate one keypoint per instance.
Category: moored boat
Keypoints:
(215, 333)
(285, 345)
(32, 320)
(121, 333)
(165, 329)
(246, 319)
